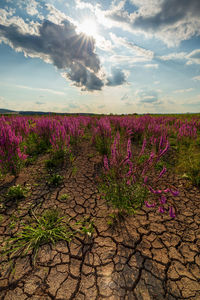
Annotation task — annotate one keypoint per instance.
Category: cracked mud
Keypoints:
(145, 256)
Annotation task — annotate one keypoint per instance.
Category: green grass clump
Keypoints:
(16, 192)
(36, 145)
(64, 197)
(55, 180)
(48, 229)
(188, 162)
(120, 195)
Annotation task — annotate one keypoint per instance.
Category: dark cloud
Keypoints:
(118, 77)
(63, 46)
(82, 77)
(171, 11)
(169, 20)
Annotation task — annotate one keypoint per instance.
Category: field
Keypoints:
(101, 207)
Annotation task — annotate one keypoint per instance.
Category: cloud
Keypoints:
(124, 97)
(127, 60)
(83, 5)
(147, 97)
(151, 66)
(118, 77)
(32, 7)
(191, 58)
(172, 21)
(194, 57)
(39, 103)
(135, 49)
(61, 45)
(56, 16)
(40, 90)
(184, 90)
(83, 78)
(196, 78)
(174, 56)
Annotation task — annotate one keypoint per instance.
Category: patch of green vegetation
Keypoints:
(188, 162)
(36, 145)
(64, 197)
(102, 145)
(1, 219)
(86, 226)
(30, 160)
(143, 158)
(124, 197)
(58, 159)
(74, 170)
(16, 192)
(112, 219)
(55, 180)
(47, 229)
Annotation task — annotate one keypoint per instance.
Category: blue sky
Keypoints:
(103, 56)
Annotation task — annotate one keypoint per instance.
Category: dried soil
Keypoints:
(147, 256)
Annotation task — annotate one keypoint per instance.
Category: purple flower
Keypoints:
(171, 212)
(163, 199)
(158, 192)
(161, 209)
(174, 193)
(149, 205)
(162, 172)
(129, 148)
(105, 162)
(143, 146)
(151, 189)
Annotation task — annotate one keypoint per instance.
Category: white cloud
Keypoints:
(127, 60)
(51, 91)
(82, 5)
(194, 57)
(196, 78)
(183, 90)
(191, 58)
(55, 16)
(8, 19)
(151, 66)
(32, 7)
(174, 56)
(135, 49)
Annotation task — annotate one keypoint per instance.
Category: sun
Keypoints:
(89, 27)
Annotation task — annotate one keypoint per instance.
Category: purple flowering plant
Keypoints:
(126, 182)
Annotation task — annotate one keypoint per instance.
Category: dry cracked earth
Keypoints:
(145, 256)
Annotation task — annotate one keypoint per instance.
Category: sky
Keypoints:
(100, 56)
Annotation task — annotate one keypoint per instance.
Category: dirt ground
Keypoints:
(144, 256)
